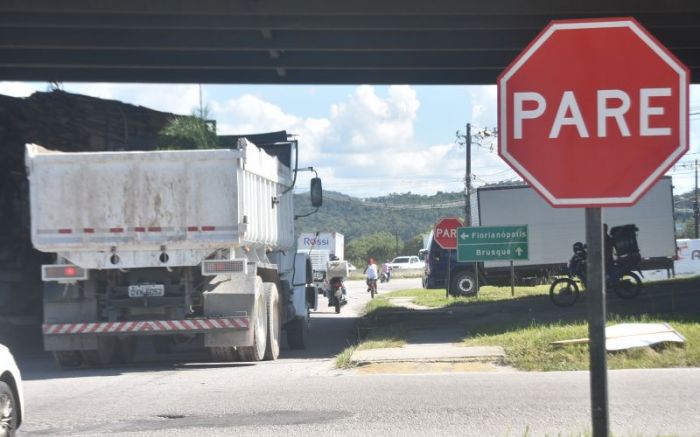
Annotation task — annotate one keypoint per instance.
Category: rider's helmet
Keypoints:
(578, 246)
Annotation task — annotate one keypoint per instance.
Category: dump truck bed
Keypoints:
(189, 203)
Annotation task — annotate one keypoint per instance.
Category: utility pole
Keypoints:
(397, 243)
(466, 141)
(468, 180)
(696, 207)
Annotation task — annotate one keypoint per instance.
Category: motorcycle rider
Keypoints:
(372, 274)
(386, 272)
(333, 257)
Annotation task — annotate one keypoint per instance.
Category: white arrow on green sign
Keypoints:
(491, 243)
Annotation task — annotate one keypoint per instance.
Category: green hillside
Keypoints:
(405, 215)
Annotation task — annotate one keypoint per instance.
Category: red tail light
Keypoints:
(63, 272)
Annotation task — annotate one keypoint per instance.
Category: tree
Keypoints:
(688, 230)
(413, 245)
(189, 132)
(380, 246)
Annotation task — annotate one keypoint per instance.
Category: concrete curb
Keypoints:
(430, 353)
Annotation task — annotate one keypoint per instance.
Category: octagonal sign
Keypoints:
(593, 112)
(445, 233)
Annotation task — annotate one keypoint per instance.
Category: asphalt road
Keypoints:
(301, 394)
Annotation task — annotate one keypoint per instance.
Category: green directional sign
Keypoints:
(491, 243)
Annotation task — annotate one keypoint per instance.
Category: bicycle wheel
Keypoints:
(564, 292)
(628, 286)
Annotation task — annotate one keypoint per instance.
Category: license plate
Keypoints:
(147, 290)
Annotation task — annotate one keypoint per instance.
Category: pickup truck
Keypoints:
(406, 262)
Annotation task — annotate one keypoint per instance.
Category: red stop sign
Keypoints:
(445, 233)
(593, 112)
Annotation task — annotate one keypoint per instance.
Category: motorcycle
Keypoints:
(385, 276)
(336, 293)
(619, 278)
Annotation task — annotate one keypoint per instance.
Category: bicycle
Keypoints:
(372, 287)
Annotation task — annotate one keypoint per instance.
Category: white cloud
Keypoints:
(178, 99)
(483, 100)
(251, 114)
(20, 89)
(366, 122)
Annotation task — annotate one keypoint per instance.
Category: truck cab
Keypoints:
(442, 271)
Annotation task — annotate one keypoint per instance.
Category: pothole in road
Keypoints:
(170, 416)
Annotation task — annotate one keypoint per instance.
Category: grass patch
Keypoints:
(377, 339)
(378, 304)
(488, 293)
(437, 298)
(393, 336)
(529, 348)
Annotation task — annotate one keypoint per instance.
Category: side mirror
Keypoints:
(316, 192)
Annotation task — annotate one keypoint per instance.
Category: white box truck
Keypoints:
(333, 242)
(552, 231)
(551, 235)
(182, 245)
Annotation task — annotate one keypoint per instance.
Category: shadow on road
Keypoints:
(42, 366)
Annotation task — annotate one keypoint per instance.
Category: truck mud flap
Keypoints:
(150, 327)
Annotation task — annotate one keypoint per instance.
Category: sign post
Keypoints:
(445, 235)
(595, 286)
(591, 114)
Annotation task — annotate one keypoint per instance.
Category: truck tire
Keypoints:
(8, 411)
(103, 355)
(297, 330)
(463, 284)
(256, 352)
(68, 359)
(274, 325)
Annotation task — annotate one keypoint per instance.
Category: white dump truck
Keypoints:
(181, 246)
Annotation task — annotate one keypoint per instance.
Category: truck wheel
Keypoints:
(223, 353)
(297, 331)
(68, 359)
(274, 326)
(256, 352)
(104, 353)
(8, 411)
(463, 284)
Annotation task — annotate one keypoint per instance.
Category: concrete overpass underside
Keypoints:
(301, 41)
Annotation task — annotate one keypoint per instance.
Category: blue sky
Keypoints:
(364, 140)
